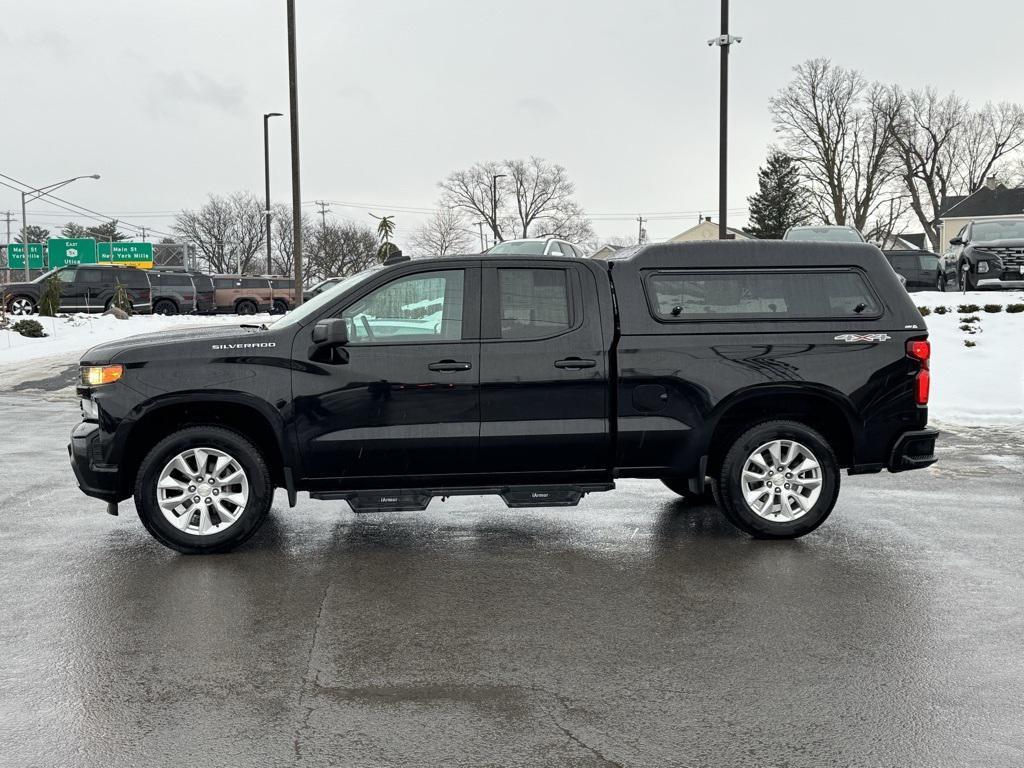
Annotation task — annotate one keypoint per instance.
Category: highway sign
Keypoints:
(16, 256)
(126, 254)
(61, 253)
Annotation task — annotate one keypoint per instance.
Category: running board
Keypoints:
(417, 499)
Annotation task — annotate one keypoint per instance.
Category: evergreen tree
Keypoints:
(49, 302)
(780, 201)
(35, 235)
(104, 233)
(73, 231)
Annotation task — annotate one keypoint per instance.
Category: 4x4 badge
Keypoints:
(852, 337)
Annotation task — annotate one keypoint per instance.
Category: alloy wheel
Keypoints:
(781, 481)
(22, 306)
(202, 491)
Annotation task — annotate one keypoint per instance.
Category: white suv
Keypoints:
(535, 246)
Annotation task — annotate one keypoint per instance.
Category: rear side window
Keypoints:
(202, 282)
(226, 282)
(282, 284)
(253, 283)
(534, 302)
(774, 295)
(182, 281)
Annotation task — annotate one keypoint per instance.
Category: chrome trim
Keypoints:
(996, 282)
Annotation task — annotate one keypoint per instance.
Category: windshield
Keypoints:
(535, 247)
(1009, 229)
(314, 305)
(825, 235)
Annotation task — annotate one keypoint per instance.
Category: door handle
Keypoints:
(449, 365)
(575, 363)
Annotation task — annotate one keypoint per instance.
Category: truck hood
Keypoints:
(194, 343)
(1013, 242)
(13, 287)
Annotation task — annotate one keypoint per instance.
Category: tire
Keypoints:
(22, 305)
(253, 488)
(165, 307)
(787, 518)
(245, 307)
(940, 282)
(681, 487)
(280, 307)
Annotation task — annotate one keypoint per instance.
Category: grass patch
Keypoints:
(925, 311)
(971, 319)
(969, 343)
(941, 310)
(966, 309)
(1014, 308)
(993, 308)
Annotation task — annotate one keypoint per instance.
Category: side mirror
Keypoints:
(957, 241)
(330, 333)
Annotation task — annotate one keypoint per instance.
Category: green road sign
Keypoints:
(126, 254)
(80, 250)
(16, 256)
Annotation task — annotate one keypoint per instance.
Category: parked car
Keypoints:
(242, 295)
(920, 269)
(83, 288)
(986, 253)
(824, 234)
(761, 368)
(174, 292)
(320, 287)
(535, 246)
(282, 293)
(206, 295)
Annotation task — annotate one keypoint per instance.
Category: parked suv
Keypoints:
(760, 368)
(987, 253)
(83, 288)
(538, 246)
(206, 298)
(920, 269)
(242, 295)
(282, 292)
(173, 292)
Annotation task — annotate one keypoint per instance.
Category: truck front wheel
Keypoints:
(203, 490)
(779, 480)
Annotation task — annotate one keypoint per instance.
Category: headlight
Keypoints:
(94, 375)
(982, 267)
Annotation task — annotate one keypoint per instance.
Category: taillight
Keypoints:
(921, 350)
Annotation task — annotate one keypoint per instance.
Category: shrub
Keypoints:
(1014, 308)
(941, 310)
(33, 329)
(966, 309)
(121, 300)
(969, 343)
(49, 302)
(993, 308)
(925, 311)
(971, 319)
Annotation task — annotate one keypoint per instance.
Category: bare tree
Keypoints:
(282, 238)
(341, 249)
(838, 127)
(534, 195)
(990, 135)
(226, 232)
(443, 233)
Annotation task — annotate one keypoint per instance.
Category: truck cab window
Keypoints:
(423, 307)
(534, 302)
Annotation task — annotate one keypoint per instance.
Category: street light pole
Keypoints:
(293, 108)
(266, 176)
(38, 193)
(494, 203)
(723, 41)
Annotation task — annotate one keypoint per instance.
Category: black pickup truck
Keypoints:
(755, 370)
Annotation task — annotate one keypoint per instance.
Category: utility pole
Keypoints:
(494, 203)
(143, 233)
(323, 213)
(641, 234)
(293, 108)
(8, 215)
(266, 181)
(725, 42)
(483, 244)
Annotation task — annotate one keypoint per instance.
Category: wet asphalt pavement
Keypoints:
(632, 630)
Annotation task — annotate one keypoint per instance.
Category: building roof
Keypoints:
(739, 233)
(916, 239)
(987, 201)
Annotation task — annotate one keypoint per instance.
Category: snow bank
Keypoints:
(72, 335)
(981, 385)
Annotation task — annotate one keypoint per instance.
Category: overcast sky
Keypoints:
(164, 98)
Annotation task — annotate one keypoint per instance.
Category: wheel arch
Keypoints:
(247, 415)
(822, 408)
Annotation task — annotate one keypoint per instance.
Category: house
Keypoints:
(708, 230)
(606, 251)
(992, 201)
(902, 242)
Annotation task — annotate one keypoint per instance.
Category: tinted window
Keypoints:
(66, 275)
(254, 283)
(904, 261)
(90, 277)
(162, 278)
(135, 278)
(282, 284)
(764, 295)
(202, 282)
(225, 282)
(533, 302)
(535, 247)
(928, 261)
(424, 307)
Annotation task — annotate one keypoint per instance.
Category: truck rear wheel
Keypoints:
(203, 490)
(779, 480)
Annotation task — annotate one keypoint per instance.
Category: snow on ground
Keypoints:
(980, 385)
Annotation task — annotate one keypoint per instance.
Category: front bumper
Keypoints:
(95, 478)
(913, 450)
(995, 282)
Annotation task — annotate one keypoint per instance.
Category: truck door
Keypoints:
(543, 370)
(401, 401)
